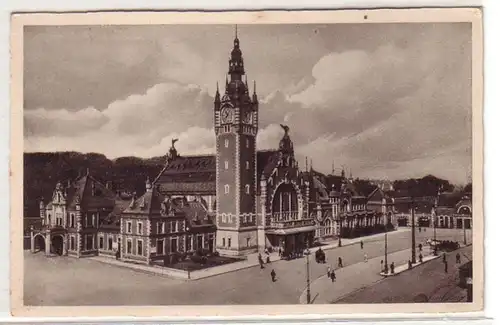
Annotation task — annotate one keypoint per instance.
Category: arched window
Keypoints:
(247, 189)
(247, 165)
(226, 189)
(226, 164)
(328, 227)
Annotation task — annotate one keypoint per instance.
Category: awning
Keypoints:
(291, 230)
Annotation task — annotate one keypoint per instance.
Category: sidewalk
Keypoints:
(352, 278)
(251, 261)
(404, 267)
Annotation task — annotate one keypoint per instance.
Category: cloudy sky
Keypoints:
(384, 100)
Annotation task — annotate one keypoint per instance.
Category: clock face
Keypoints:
(247, 117)
(227, 115)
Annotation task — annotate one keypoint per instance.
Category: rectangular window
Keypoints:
(226, 164)
(224, 218)
(226, 143)
(139, 228)
(129, 246)
(101, 242)
(158, 228)
(173, 245)
(223, 242)
(226, 189)
(129, 227)
(189, 238)
(173, 226)
(248, 143)
(72, 220)
(139, 247)
(229, 242)
(248, 242)
(90, 242)
(247, 165)
(199, 241)
(159, 247)
(72, 243)
(110, 243)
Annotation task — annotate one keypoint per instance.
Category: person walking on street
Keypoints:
(366, 258)
(392, 268)
(420, 258)
(381, 265)
(420, 246)
(328, 271)
(340, 262)
(444, 258)
(332, 276)
(273, 275)
(458, 259)
(361, 243)
(409, 264)
(445, 266)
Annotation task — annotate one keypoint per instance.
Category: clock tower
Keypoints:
(236, 125)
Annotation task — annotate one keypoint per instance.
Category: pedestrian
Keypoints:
(419, 229)
(420, 258)
(458, 259)
(420, 246)
(361, 243)
(366, 258)
(340, 262)
(328, 271)
(381, 265)
(392, 268)
(279, 252)
(445, 266)
(425, 229)
(409, 264)
(444, 257)
(273, 275)
(268, 259)
(333, 276)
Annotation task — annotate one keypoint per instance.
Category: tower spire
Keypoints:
(236, 31)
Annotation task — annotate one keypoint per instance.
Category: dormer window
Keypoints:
(226, 189)
(247, 189)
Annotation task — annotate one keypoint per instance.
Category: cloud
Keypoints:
(400, 107)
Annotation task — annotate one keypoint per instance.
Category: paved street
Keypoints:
(429, 279)
(68, 281)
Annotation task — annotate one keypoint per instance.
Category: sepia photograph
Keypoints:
(249, 162)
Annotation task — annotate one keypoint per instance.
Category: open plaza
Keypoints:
(67, 281)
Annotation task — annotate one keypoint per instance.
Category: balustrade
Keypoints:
(289, 219)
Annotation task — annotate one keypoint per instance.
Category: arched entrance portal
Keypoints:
(57, 244)
(39, 243)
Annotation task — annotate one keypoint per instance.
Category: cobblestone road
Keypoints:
(68, 282)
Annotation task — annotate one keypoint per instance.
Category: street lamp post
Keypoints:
(340, 232)
(465, 237)
(413, 252)
(308, 280)
(435, 220)
(386, 267)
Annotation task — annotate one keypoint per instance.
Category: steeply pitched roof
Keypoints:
(449, 199)
(91, 194)
(197, 174)
(149, 203)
